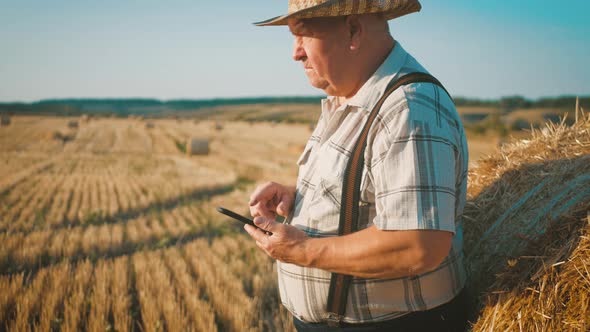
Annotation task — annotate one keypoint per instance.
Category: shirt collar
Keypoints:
(375, 86)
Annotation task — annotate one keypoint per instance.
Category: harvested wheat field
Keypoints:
(111, 225)
(527, 232)
(114, 228)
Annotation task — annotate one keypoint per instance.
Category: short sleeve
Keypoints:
(414, 177)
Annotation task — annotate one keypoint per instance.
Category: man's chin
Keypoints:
(322, 85)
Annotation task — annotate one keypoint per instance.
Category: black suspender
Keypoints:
(349, 208)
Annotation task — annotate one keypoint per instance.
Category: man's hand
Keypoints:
(270, 199)
(286, 244)
(368, 253)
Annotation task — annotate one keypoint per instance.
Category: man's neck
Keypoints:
(374, 59)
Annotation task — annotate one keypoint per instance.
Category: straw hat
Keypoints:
(329, 8)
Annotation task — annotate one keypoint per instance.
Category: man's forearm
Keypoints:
(373, 253)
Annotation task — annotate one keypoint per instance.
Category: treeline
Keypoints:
(155, 107)
(138, 106)
(518, 102)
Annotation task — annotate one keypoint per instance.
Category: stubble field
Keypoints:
(106, 224)
(113, 227)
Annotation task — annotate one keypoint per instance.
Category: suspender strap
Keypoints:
(349, 207)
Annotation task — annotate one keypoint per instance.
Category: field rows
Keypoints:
(32, 135)
(25, 251)
(180, 288)
(109, 226)
(80, 191)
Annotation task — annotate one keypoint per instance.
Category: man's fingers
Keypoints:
(254, 212)
(261, 210)
(270, 199)
(253, 200)
(284, 208)
(262, 193)
(256, 196)
(256, 234)
(266, 224)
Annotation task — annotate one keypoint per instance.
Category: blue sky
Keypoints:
(208, 49)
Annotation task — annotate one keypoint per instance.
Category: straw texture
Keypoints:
(527, 233)
(331, 8)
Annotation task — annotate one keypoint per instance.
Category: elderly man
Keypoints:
(400, 268)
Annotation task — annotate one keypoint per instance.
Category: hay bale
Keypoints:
(218, 126)
(73, 124)
(59, 136)
(4, 120)
(197, 146)
(527, 236)
(149, 125)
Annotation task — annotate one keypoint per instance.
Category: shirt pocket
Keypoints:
(324, 207)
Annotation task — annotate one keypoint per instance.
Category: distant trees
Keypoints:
(510, 103)
(154, 107)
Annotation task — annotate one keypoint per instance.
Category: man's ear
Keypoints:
(355, 31)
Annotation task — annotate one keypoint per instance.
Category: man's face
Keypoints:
(321, 46)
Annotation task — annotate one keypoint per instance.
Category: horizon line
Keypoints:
(164, 100)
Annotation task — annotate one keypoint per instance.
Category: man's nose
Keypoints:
(298, 51)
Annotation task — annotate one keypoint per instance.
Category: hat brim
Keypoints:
(319, 11)
(277, 20)
(307, 13)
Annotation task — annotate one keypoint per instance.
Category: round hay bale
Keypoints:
(73, 124)
(218, 126)
(4, 120)
(197, 146)
(527, 233)
(59, 136)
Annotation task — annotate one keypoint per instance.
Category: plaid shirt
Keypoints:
(415, 177)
